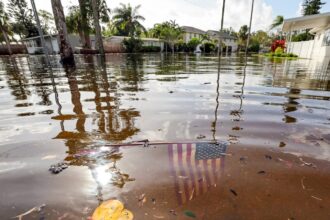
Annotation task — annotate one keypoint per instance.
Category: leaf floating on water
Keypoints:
(112, 210)
(190, 214)
(262, 172)
(233, 192)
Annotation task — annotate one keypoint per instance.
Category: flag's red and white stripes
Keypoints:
(192, 177)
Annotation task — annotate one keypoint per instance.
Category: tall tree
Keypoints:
(243, 36)
(4, 26)
(311, 7)
(65, 47)
(128, 21)
(81, 19)
(98, 33)
(83, 5)
(278, 21)
(24, 25)
(47, 21)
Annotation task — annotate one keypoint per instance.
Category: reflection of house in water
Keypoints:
(303, 74)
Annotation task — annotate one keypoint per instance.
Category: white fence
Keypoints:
(303, 49)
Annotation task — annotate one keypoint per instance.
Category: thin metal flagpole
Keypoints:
(249, 34)
(221, 27)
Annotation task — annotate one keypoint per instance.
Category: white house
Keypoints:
(191, 32)
(33, 44)
(319, 26)
(227, 39)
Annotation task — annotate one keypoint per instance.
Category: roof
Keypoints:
(189, 29)
(307, 22)
(37, 37)
(143, 39)
(219, 34)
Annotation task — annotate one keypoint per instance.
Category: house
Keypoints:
(317, 25)
(191, 32)
(114, 44)
(229, 40)
(33, 44)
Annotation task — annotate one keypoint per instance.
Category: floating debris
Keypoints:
(304, 163)
(233, 192)
(190, 214)
(59, 167)
(268, 157)
(173, 212)
(262, 172)
(34, 209)
(282, 144)
(201, 136)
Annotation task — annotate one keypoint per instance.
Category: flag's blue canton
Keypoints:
(206, 151)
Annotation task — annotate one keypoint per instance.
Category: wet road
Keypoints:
(278, 108)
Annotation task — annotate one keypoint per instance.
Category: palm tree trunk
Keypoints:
(99, 41)
(4, 33)
(86, 41)
(64, 45)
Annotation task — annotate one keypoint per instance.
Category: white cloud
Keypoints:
(203, 14)
(300, 9)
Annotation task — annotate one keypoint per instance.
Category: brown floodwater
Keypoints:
(272, 117)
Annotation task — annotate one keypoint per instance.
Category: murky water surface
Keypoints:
(273, 114)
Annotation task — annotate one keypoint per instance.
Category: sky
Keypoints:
(205, 14)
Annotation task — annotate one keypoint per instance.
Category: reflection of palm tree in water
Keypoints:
(116, 125)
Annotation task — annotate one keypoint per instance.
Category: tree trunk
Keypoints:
(86, 41)
(4, 33)
(66, 52)
(99, 41)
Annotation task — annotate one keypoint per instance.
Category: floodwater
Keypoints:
(272, 118)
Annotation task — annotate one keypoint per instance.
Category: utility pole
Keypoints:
(98, 34)
(249, 34)
(221, 27)
(41, 35)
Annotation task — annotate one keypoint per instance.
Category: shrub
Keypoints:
(254, 47)
(276, 44)
(181, 46)
(132, 45)
(279, 51)
(193, 43)
(208, 47)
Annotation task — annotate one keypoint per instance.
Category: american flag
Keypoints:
(195, 167)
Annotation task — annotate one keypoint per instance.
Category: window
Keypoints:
(326, 40)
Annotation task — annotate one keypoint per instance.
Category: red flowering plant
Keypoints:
(278, 43)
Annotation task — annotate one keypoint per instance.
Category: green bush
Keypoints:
(193, 43)
(150, 49)
(279, 51)
(208, 47)
(181, 46)
(132, 45)
(302, 37)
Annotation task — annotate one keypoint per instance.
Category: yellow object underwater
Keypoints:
(112, 210)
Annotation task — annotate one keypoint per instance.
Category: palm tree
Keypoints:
(67, 57)
(99, 41)
(4, 26)
(127, 20)
(278, 21)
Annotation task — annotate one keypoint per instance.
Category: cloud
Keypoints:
(300, 9)
(203, 14)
